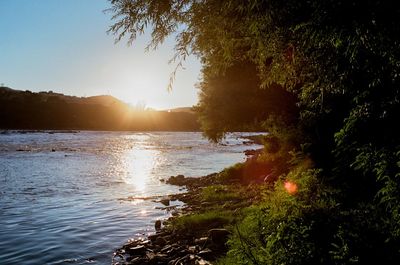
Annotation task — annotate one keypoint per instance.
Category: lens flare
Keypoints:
(290, 187)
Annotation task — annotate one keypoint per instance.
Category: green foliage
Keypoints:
(338, 63)
(282, 230)
(202, 221)
(220, 193)
(234, 101)
(310, 226)
(233, 172)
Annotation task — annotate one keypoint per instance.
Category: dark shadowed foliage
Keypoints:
(339, 64)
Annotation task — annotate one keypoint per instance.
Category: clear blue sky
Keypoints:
(62, 45)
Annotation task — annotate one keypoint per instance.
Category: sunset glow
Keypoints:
(83, 60)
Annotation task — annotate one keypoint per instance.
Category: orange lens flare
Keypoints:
(291, 187)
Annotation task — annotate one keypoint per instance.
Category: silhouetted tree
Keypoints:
(340, 61)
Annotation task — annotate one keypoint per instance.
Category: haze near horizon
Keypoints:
(63, 46)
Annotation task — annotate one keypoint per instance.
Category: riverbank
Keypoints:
(76, 199)
(197, 232)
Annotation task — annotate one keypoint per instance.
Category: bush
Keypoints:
(310, 225)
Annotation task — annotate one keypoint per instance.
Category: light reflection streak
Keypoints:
(138, 166)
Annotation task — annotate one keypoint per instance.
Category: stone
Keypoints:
(250, 152)
(182, 260)
(153, 237)
(137, 261)
(166, 248)
(219, 236)
(165, 201)
(177, 180)
(160, 241)
(136, 251)
(202, 262)
(150, 256)
(161, 257)
(206, 253)
(157, 225)
(201, 240)
(192, 249)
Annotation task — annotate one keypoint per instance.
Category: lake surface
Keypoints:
(64, 196)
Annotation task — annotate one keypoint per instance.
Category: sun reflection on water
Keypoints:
(138, 166)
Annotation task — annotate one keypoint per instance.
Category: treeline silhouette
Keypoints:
(54, 111)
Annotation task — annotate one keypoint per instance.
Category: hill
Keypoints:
(182, 109)
(49, 110)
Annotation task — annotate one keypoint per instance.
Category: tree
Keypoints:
(338, 60)
(233, 101)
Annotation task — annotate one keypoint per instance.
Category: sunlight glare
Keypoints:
(139, 165)
(143, 212)
(290, 187)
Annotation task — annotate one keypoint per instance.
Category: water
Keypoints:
(63, 196)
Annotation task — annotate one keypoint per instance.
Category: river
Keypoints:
(63, 196)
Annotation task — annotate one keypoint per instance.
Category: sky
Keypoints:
(63, 46)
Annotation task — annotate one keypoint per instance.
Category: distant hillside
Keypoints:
(49, 110)
(183, 109)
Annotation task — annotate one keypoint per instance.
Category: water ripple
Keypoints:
(64, 197)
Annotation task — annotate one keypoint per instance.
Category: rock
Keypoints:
(192, 249)
(175, 213)
(165, 201)
(136, 251)
(150, 256)
(182, 260)
(250, 152)
(177, 180)
(219, 236)
(158, 234)
(161, 257)
(180, 177)
(166, 248)
(202, 262)
(172, 262)
(206, 254)
(160, 241)
(152, 237)
(201, 241)
(136, 261)
(253, 152)
(157, 225)
(172, 252)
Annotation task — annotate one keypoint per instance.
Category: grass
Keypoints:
(200, 222)
(220, 193)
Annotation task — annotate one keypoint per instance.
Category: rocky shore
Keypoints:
(196, 233)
